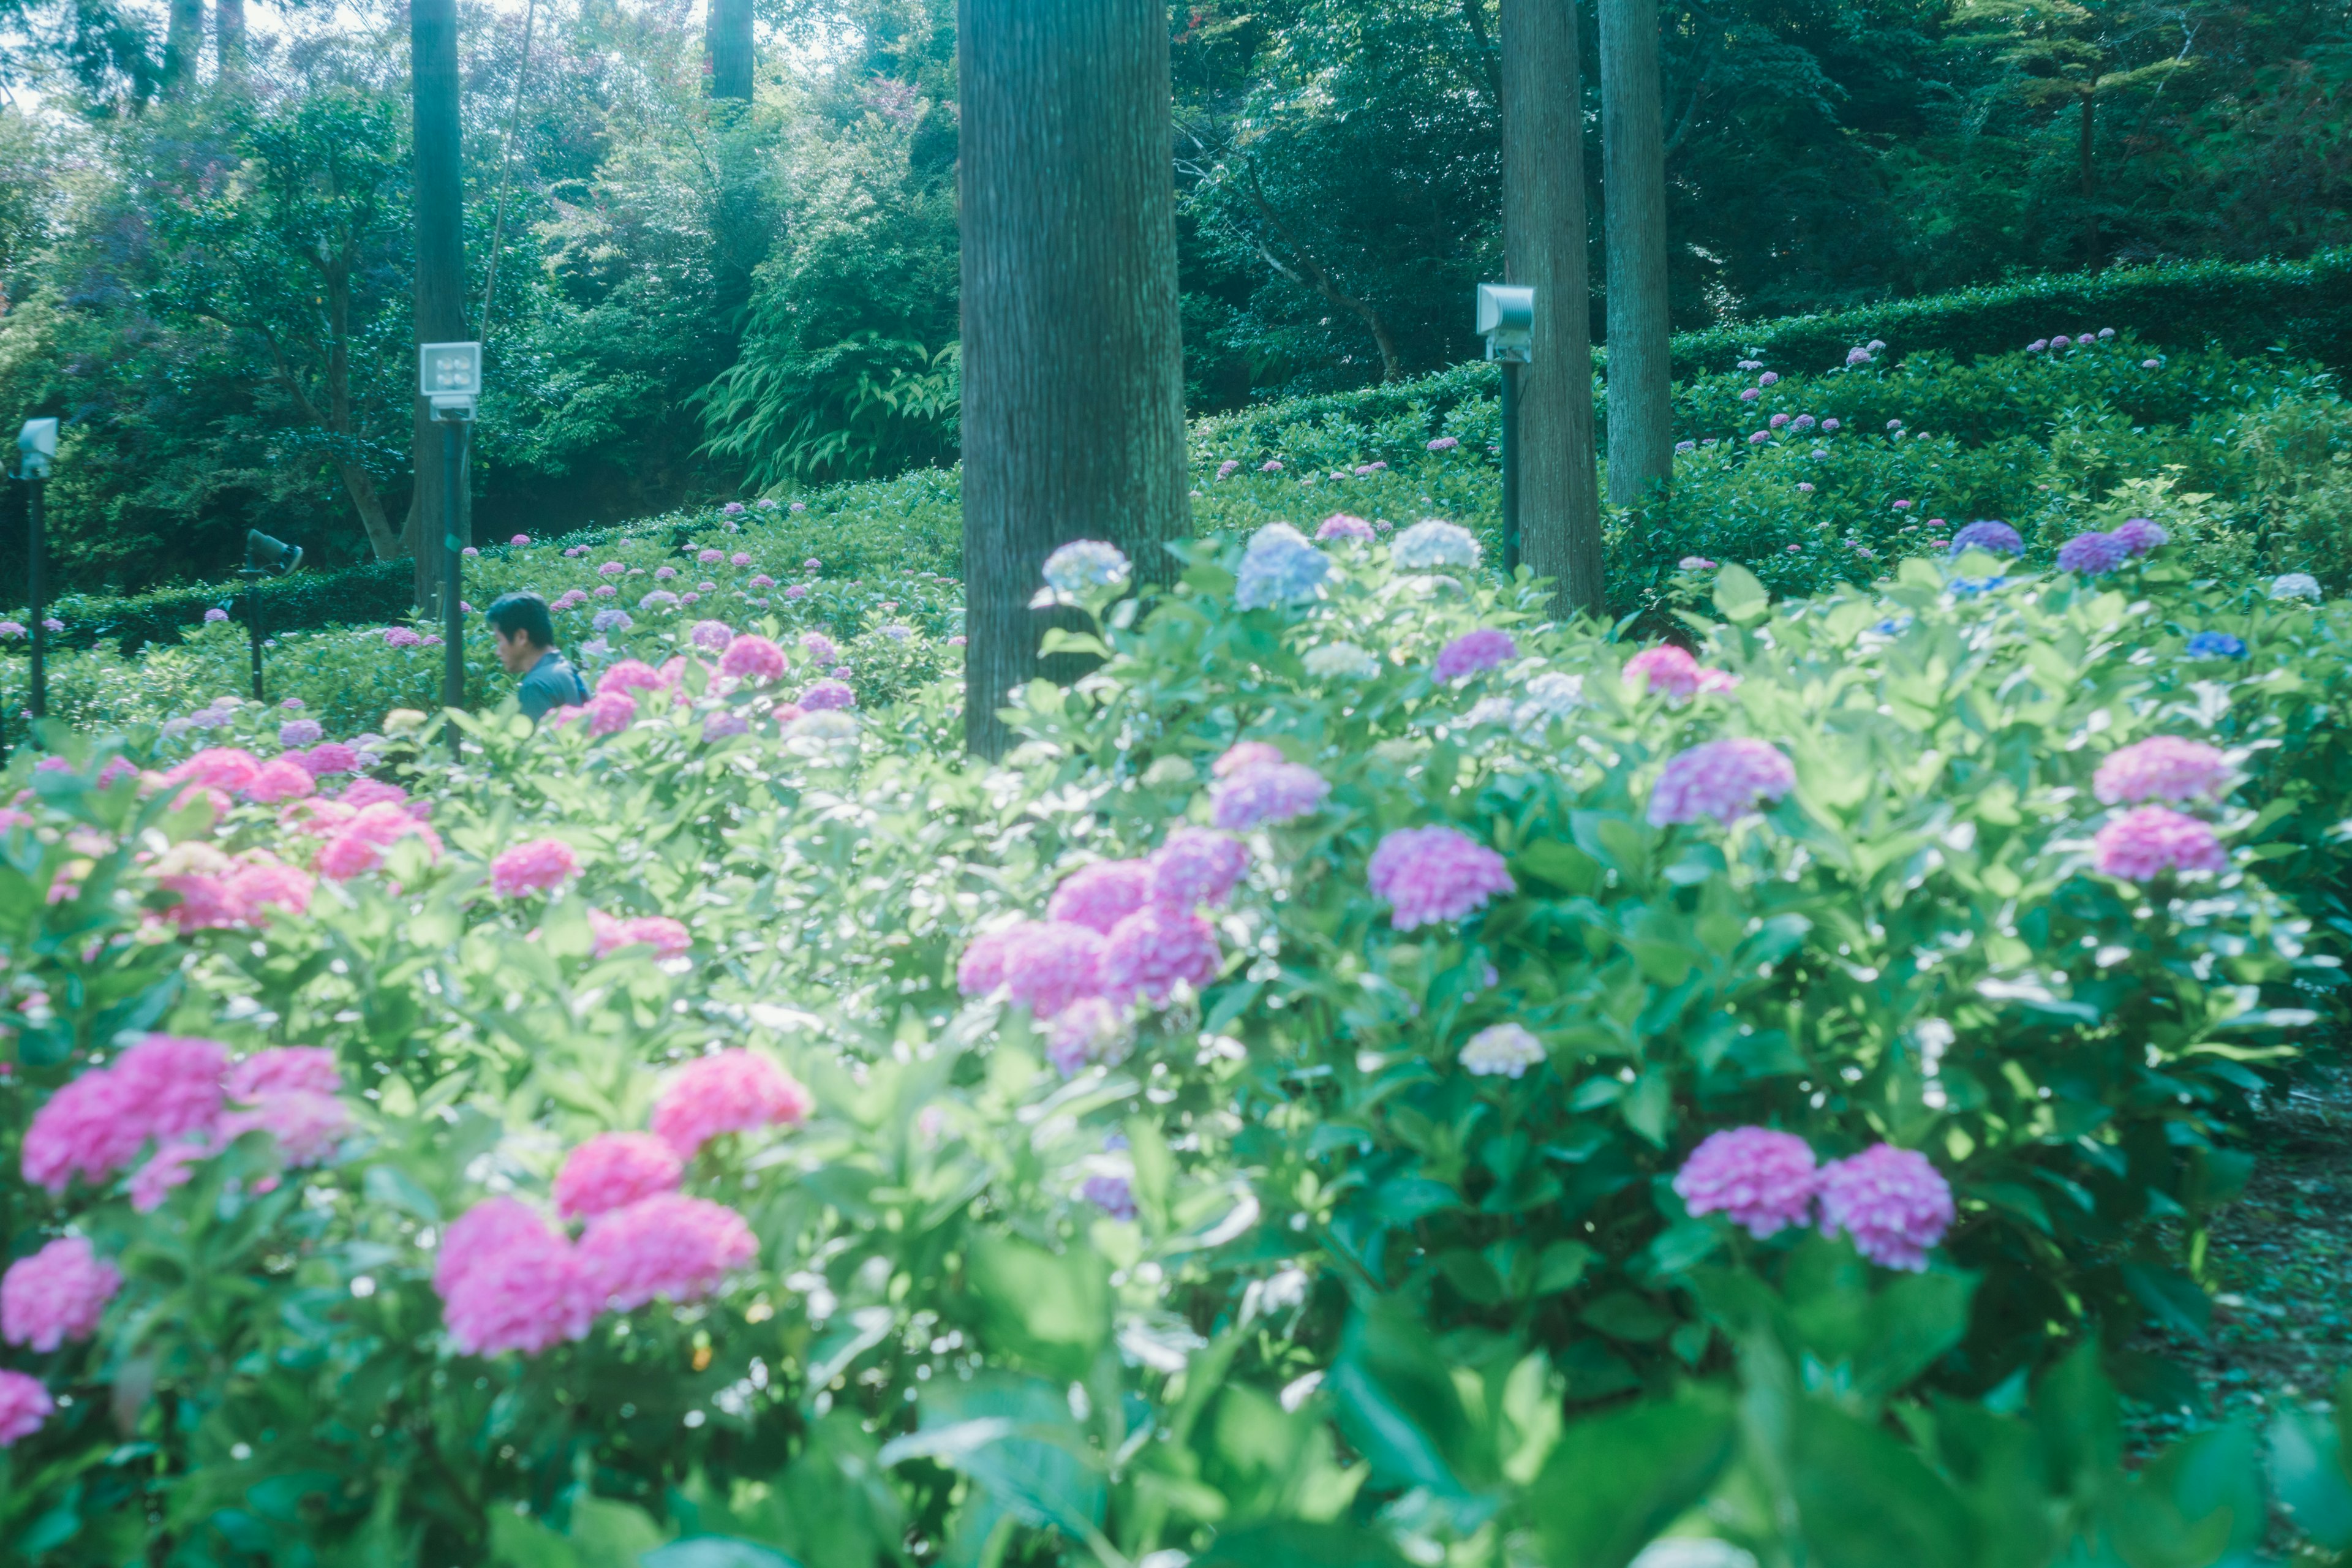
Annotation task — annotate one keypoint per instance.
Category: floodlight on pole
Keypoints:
(449, 376)
(37, 448)
(264, 557)
(1507, 320)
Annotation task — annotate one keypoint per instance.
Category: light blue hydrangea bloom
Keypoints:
(1281, 568)
(1086, 564)
(2295, 585)
(1433, 544)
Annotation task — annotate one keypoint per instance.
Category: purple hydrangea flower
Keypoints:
(1991, 535)
(1761, 1179)
(1891, 1200)
(1475, 650)
(2092, 554)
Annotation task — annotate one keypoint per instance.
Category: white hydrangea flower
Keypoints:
(1488, 711)
(1431, 543)
(1552, 695)
(1086, 564)
(823, 724)
(1342, 661)
(2295, 585)
(1502, 1049)
(1282, 568)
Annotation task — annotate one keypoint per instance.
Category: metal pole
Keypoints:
(39, 591)
(1510, 467)
(252, 609)
(452, 619)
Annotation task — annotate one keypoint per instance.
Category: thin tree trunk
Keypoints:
(2090, 189)
(727, 36)
(440, 268)
(229, 41)
(184, 45)
(1633, 190)
(1314, 275)
(1073, 377)
(1544, 240)
(506, 170)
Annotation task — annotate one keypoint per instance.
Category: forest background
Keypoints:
(204, 231)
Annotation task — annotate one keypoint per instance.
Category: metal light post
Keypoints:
(1506, 319)
(264, 557)
(450, 377)
(37, 445)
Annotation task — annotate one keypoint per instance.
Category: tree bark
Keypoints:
(184, 45)
(727, 38)
(1633, 192)
(1544, 241)
(1072, 376)
(440, 271)
(229, 41)
(2090, 189)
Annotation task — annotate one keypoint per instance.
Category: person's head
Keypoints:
(519, 626)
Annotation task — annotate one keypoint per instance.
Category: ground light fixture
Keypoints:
(264, 557)
(449, 376)
(1507, 320)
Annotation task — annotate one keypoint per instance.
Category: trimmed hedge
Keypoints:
(377, 591)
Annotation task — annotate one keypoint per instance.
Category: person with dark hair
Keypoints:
(526, 642)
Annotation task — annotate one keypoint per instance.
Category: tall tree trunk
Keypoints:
(1072, 375)
(2090, 189)
(727, 36)
(1633, 192)
(440, 271)
(229, 41)
(1544, 240)
(184, 45)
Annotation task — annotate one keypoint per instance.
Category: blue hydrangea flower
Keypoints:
(1281, 568)
(1086, 564)
(2216, 645)
(2093, 553)
(1991, 535)
(2295, 585)
(1431, 544)
(1969, 587)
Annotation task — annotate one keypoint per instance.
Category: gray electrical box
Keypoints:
(1507, 320)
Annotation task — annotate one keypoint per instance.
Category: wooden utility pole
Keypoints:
(440, 271)
(1634, 194)
(727, 38)
(1544, 240)
(184, 45)
(1073, 373)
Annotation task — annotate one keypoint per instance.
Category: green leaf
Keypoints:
(1397, 1403)
(2307, 1467)
(1867, 1501)
(1297, 1543)
(716, 1551)
(1051, 1309)
(1014, 1436)
(1739, 595)
(1658, 1458)
(2171, 1298)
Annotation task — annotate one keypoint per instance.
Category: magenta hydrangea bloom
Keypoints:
(1267, 792)
(2162, 767)
(24, 1404)
(1431, 873)
(57, 1294)
(1665, 669)
(284, 1069)
(754, 659)
(533, 868)
(280, 779)
(1100, 896)
(613, 1170)
(1891, 1200)
(821, 696)
(1761, 1179)
(1197, 866)
(2148, 840)
(1151, 950)
(2140, 535)
(981, 968)
(230, 768)
(1048, 964)
(2093, 553)
(509, 1283)
(328, 758)
(1724, 780)
(667, 1247)
(731, 1091)
(609, 713)
(1088, 1029)
(1339, 525)
(306, 1128)
(711, 636)
(1474, 651)
(667, 937)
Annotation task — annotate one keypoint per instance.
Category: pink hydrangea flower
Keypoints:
(1049, 964)
(360, 793)
(533, 868)
(280, 779)
(330, 757)
(820, 648)
(819, 696)
(981, 968)
(230, 768)
(1153, 949)
(712, 636)
(709, 557)
(358, 845)
(1432, 874)
(172, 1082)
(1724, 780)
(162, 1088)
(629, 674)
(667, 937)
(754, 659)
(1088, 1029)
(761, 582)
(284, 1069)
(170, 1167)
(613, 1170)
(1666, 669)
(667, 1247)
(509, 1283)
(308, 1128)
(2163, 767)
(740, 558)
(731, 1091)
(60, 1293)
(1891, 1200)
(611, 569)
(1245, 754)
(1267, 792)
(1474, 651)
(24, 1404)
(1196, 866)
(2148, 840)
(1339, 525)
(1100, 896)
(1762, 1179)
(609, 713)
